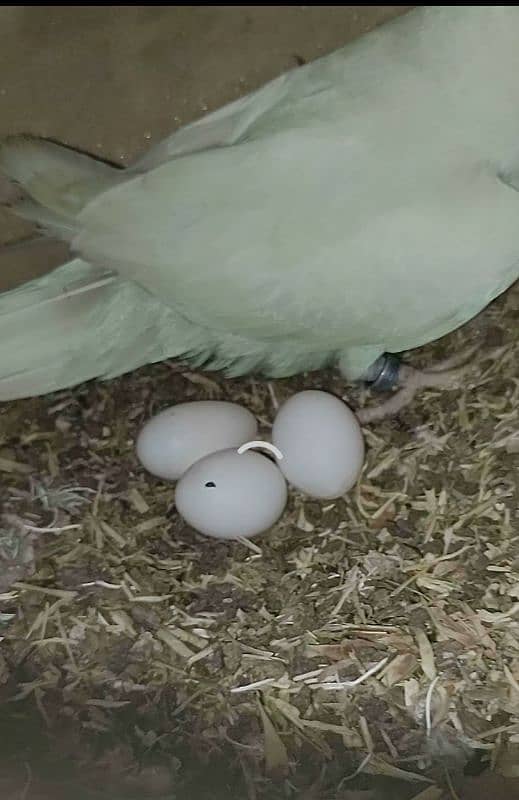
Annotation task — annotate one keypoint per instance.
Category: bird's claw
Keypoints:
(443, 375)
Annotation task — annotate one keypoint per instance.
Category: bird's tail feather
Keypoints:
(78, 323)
(45, 331)
(57, 182)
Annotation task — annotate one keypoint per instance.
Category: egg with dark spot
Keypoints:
(228, 495)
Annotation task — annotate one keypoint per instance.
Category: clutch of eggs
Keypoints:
(226, 493)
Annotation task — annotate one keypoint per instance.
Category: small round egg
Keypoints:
(228, 495)
(174, 439)
(321, 442)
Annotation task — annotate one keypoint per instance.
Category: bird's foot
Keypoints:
(446, 374)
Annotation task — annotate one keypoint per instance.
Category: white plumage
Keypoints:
(366, 202)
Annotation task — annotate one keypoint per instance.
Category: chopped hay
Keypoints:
(376, 634)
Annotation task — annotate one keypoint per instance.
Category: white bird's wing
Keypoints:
(350, 193)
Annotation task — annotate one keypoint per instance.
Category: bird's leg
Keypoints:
(443, 375)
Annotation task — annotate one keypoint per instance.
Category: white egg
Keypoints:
(173, 440)
(321, 442)
(227, 495)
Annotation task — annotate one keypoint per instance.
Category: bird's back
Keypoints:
(347, 196)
